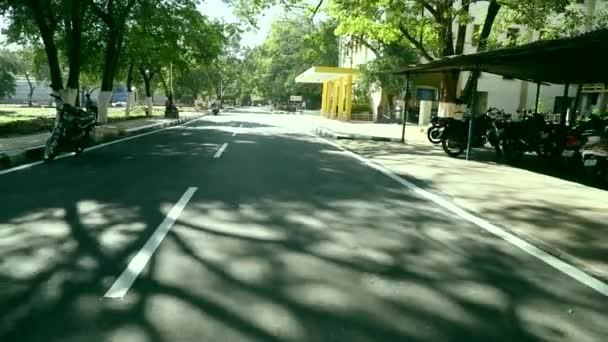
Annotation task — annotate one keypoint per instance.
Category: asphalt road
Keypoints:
(284, 238)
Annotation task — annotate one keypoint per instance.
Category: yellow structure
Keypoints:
(336, 99)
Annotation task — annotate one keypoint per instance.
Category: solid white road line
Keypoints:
(545, 257)
(25, 166)
(125, 280)
(135, 129)
(220, 151)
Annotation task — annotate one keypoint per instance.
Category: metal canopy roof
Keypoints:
(320, 74)
(582, 59)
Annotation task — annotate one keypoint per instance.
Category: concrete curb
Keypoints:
(103, 135)
(329, 133)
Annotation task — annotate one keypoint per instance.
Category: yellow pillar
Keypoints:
(341, 102)
(340, 97)
(349, 96)
(336, 98)
(324, 97)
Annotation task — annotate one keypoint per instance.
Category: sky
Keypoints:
(218, 9)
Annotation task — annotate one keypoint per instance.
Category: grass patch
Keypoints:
(15, 121)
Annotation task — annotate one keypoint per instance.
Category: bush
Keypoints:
(360, 108)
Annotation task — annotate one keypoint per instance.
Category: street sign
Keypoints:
(295, 98)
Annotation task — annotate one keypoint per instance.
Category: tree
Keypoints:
(293, 45)
(31, 21)
(428, 25)
(377, 75)
(114, 14)
(7, 75)
(159, 30)
(26, 64)
(59, 24)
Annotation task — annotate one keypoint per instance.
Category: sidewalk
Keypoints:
(359, 130)
(566, 219)
(24, 149)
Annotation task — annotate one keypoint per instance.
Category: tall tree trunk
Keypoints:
(46, 33)
(73, 30)
(462, 32)
(130, 95)
(114, 42)
(449, 84)
(147, 76)
(493, 9)
(31, 93)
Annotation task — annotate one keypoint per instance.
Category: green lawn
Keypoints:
(19, 120)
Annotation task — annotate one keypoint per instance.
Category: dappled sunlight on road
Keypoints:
(296, 242)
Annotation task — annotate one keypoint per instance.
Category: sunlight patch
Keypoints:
(276, 320)
(322, 295)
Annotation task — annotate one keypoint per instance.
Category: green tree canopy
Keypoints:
(293, 45)
(8, 69)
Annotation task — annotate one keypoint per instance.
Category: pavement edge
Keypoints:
(104, 135)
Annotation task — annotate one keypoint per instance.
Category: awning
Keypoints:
(581, 59)
(320, 74)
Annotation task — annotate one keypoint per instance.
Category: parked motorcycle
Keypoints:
(72, 128)
(575, 137)
(530, 135)
(436, 128)
(594, 155)
(454, 139)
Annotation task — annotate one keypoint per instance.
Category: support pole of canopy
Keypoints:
(537, 102)
(473, 104)
(577, 101)
(405, 109)
(562, 119)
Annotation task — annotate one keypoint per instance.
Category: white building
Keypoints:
(496, 91)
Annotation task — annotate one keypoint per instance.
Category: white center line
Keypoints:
(220, 151)
(125, 280)
(234, 134)
(558, 264)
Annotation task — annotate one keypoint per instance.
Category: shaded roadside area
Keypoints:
(566, 218)
(287, 239)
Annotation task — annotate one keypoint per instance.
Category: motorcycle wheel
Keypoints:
(452, 147)
(511, 152)
(434, 135)
(51, 148)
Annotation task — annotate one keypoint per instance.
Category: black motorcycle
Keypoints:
(532, 135)
(72, 128)
(455, 137)
(436, 128)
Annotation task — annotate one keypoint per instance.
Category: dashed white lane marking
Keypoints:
(220, 151)
(234, 134)
(545, 257)
(124, 282)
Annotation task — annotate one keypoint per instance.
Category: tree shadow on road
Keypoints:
(296, 242)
